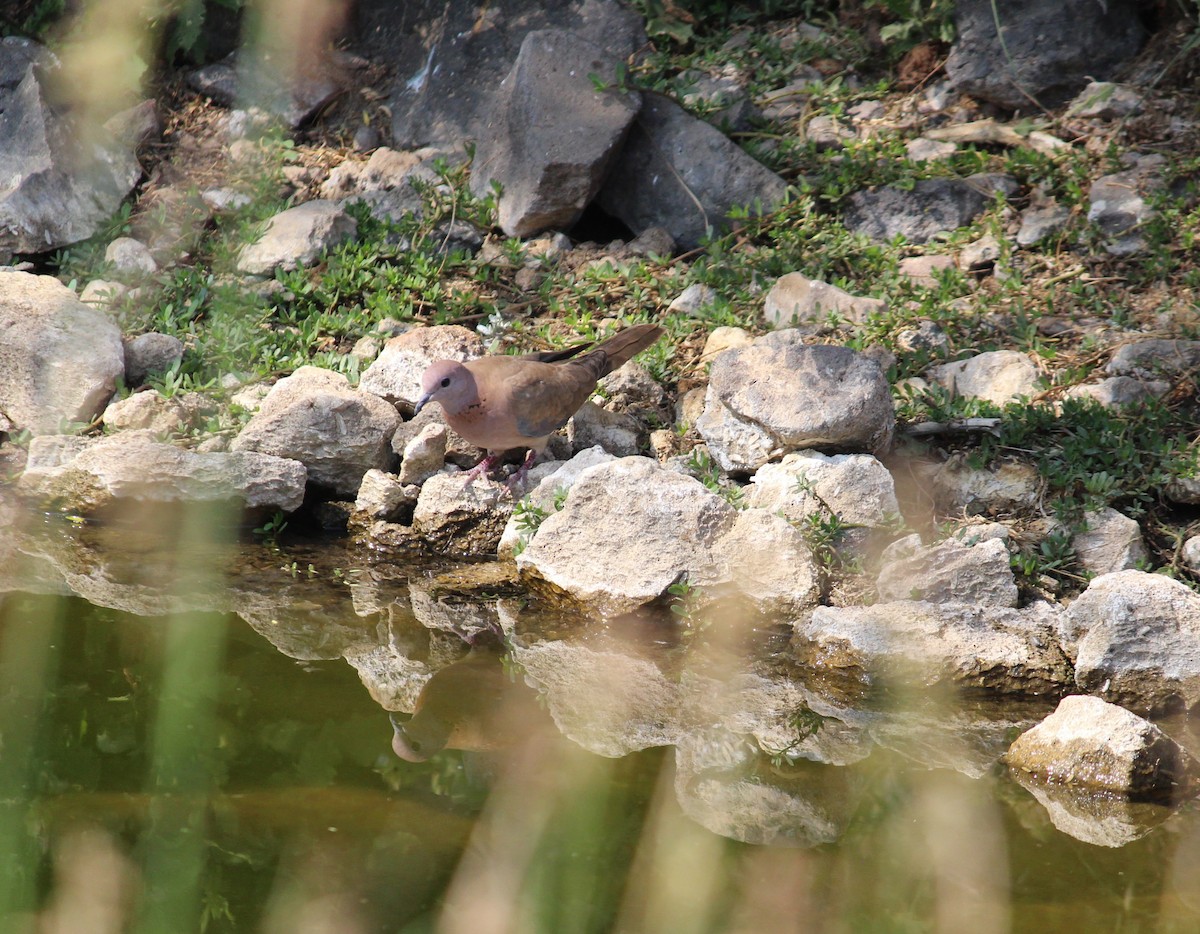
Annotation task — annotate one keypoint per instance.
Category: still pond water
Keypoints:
(196, 737)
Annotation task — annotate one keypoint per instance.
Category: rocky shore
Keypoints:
(831, 457)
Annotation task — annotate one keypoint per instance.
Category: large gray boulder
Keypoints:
(629, 529)
(59, 358)
(337, 432)
(1090, 742)
(89, 475)
(1048, 50)
(1135, 640)
(451, 56)
(552, 133)
(779, 395)
(59, 181)
(682, 174)
(917, 643)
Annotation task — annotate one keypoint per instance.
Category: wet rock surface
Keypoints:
(949, 572)
(91, 475)
(1090, 742)
(776, 506)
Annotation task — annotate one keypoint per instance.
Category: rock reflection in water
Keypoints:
(761, 752)
(1096, 818)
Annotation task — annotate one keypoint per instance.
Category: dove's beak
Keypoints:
(421, 403)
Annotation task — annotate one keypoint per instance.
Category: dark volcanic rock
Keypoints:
(1049, 50)
(684, 175)
(932, 206)
(449, 57)
(553, 133)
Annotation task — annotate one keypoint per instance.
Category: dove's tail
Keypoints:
(610, 354)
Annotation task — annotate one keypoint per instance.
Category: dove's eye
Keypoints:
(446, 381)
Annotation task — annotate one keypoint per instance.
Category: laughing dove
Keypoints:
(503, 402)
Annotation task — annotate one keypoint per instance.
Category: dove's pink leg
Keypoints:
(518, 479)
(480, 469)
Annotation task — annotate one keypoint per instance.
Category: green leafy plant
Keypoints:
(272, 528)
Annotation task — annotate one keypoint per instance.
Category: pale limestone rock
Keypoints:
(1010, 486)
(457, 518)
(90, 475)
(778, 395)
(948, 572)
(59, 359)
(396, 373)
(130, 258)
(795, 299)
(998, 376)
(856, 487)
(424, 455)
(725, 338)
(382, 495)
(296, 237)
(629, 529)
(915, 643)
(1112, 542)
(1135, 641)
(547, 483)
(315, 417)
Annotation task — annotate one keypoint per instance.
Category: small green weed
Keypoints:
(529, 517)
(702, 466)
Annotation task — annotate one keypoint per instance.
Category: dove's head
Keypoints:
(451, 384)
(419, 738)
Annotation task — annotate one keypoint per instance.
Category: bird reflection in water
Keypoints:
(474, 704)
